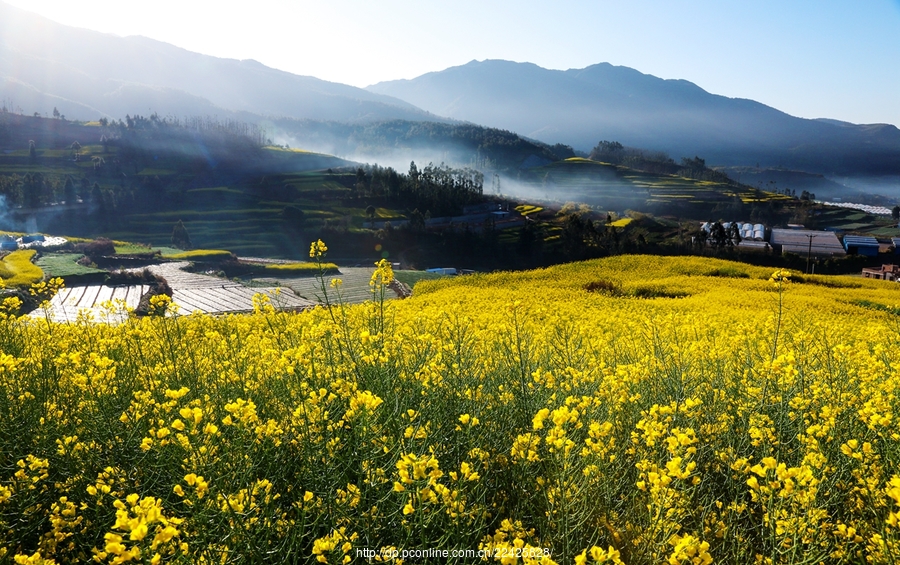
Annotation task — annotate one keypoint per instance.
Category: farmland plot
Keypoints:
(191, 292)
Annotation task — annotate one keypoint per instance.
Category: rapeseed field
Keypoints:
(627, 410)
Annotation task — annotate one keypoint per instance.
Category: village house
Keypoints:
(885, 273)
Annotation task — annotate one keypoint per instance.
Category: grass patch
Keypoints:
(201, 255)
(216, 190)
(63, 265)
(299, 269)
(410, 278)
(829, 282)
(124, 248)
(657, 292)
(16, 269)
(868, 304)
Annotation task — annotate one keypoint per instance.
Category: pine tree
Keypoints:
(180, 237)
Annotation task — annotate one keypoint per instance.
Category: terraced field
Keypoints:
(191, 292)
(354, 288)
(617, 187)
(69, 302)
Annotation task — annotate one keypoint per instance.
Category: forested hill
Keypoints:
(402, 141)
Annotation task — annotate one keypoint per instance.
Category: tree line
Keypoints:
(656, 162)
(440, 190)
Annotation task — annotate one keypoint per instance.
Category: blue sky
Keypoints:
(825, 58)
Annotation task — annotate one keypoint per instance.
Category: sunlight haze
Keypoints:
(834, 59)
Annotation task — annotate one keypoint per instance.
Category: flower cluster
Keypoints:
(686, 418)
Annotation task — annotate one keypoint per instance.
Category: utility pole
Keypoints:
(809, 251)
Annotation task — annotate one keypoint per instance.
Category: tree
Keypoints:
(895, 212)
(701, 238)
(573, 234)
(608, 152)
(370, 213)
(180, 237)
(55, 113)
(413, 177)
(734, 234)
(293, 216)
(32, 150)
(416, 221)
(717, 234)
(84, 191)
(96, 195)
(69, 191)
(361, 181)
(33, 190)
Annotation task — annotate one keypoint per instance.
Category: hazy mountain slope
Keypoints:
(86, 74)
(396, 142)
(583, 106)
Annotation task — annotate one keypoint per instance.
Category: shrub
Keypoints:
(604, 286)
(159, 288)
(123, 277)
(86, 261)
(728, 272)
(100, 247)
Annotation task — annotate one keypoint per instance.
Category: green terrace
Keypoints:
(618, 187)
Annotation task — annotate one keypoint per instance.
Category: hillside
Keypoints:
(135, 181)
(88, 75)
(580, 107)
(396, 142)
(630, 410)
(616, 187)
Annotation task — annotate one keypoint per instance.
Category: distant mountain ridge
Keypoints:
(604, 102)
(88, 75)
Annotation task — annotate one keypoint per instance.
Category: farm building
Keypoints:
(884, 273)
(802, 242)
(861, 245)
(896, 242)
(754, 245)
(756, 232)
(747, 231)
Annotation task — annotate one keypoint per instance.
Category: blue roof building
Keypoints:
(861, 245)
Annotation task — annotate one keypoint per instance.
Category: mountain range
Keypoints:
(580, 107)
(87, 75)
